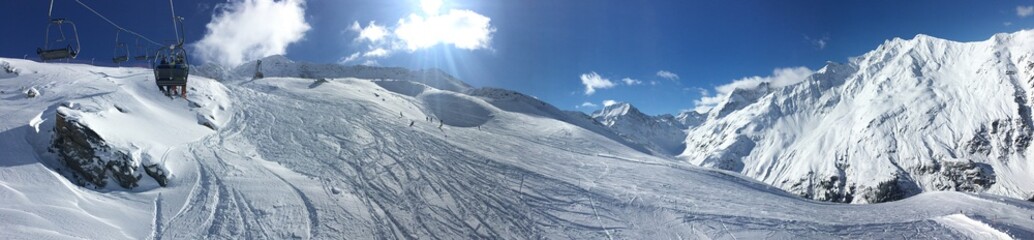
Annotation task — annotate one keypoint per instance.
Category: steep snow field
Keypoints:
(353, 158)
(917, 115)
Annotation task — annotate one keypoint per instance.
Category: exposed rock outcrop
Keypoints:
(92, 161)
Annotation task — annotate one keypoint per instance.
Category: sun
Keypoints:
(431, 7)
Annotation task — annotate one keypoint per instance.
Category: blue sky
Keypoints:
(543, 48)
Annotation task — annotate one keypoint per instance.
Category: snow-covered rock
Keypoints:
(7, 71)
(924, 114)
(31, 92)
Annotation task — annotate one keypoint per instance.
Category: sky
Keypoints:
(660, 56)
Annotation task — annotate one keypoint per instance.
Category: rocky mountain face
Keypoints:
(923, 114)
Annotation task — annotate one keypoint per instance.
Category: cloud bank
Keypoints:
(245, 30)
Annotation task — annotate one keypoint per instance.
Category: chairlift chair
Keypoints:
(142, 51)
(124, 55)
(171, 70)
(46, 53)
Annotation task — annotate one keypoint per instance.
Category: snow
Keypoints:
(972, 228)
(911, 116)
(356, 157)
(456, 110)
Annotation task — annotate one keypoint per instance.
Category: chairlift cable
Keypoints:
(110, 22)
(50, 12)
(173, 8)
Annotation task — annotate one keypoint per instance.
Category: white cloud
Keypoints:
(668, 75)
(702, 91)
(458, 28)
(819, 43)
(780, 77)
(245, 30)
(463, 29)
(706, 103)
(1007, 24)
(372, 32)
(586, 105)
(654, 83)
(350, 58)
(593, 81)
(608, 102)
(630, 82)
(431, 7)
(378, 52)
(1024, 11)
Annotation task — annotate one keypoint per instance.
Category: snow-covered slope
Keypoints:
(516, 102)
(364, 159)
(924, 114)
(662, 135)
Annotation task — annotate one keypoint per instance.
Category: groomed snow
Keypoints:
(350, 159)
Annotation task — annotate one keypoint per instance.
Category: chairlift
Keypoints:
(47, 53)
(123, 55)
(171, 66)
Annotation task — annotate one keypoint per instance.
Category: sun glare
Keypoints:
(431, 7)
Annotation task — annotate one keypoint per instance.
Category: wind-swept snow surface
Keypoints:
(916, 115)
(359, 159)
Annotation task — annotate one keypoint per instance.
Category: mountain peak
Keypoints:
(617, 109)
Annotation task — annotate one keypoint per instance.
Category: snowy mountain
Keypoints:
(662, 135)
(912, 116)
(690, 118)
(384, 158)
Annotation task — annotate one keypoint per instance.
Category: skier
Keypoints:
(411, 122)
